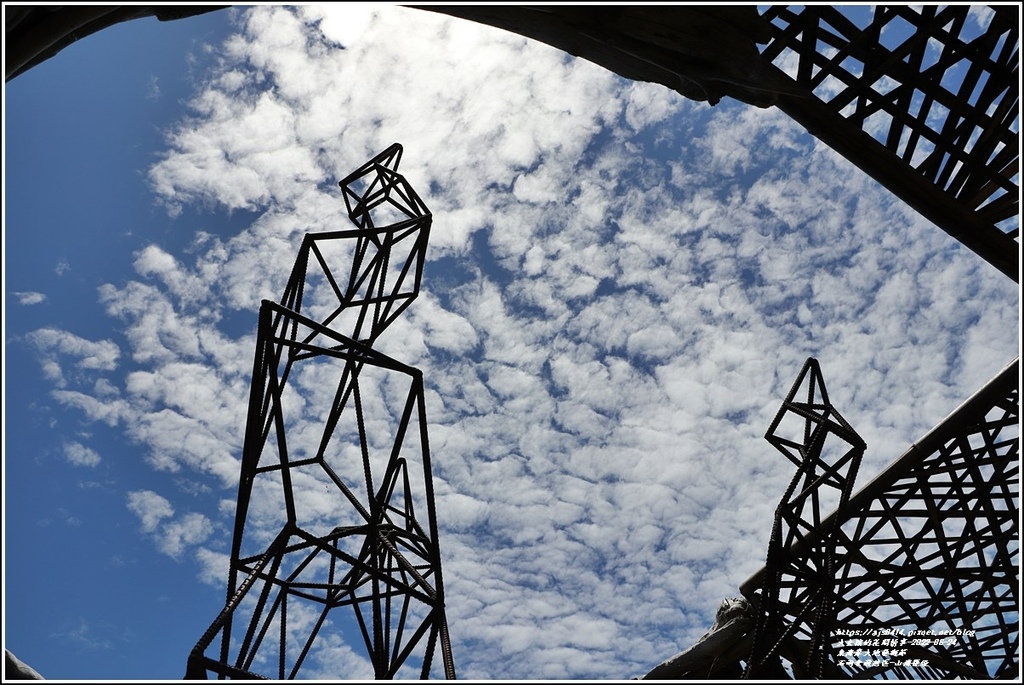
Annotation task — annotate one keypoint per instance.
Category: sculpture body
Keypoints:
(336, 448)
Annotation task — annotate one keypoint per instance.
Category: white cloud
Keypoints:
(153, 261)
(443, 329)
(95, 408)
(55, 346)
(153, 89)
(80, 455)
(87, 354)
(176, 536)
(84, 635)
(150, 507)
(173, 536)
(647, 106)
(30, 298)
(344, 25)
(624, 320)
(981, 15)
(213, 566)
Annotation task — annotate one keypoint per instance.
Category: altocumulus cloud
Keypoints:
(80, 455)
(54, 344)
(172, 536)
(30, 298)
(628, 284)
(150, 507)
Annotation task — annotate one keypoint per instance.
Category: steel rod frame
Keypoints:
(379, 562)
(938, 131)
(800, 570)
(927, 553)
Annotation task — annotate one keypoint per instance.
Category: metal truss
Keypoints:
(919, 569)
(801, 564)
(925, 560)
(920, 99)
(336, 449)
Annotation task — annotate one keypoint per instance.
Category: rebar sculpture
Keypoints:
(928, 552)
(925, 99)
(925, 573)
(336, 449)
(800, 570)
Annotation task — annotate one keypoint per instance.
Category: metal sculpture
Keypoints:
(925, 571)
(346, 472)
(924, 99)
(927, 555)
(800, 570)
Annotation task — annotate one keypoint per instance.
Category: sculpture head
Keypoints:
(357, 281)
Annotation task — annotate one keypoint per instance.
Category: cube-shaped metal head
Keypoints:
(377, 196)
(359, 280)
(806, 420)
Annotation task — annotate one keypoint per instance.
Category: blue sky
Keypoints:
(621, 287)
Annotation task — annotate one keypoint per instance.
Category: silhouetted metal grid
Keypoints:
(930, 545)
(924, 99)
(363, 469)
(801, 562)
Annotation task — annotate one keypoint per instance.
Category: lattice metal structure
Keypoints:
(925, 99)
(801, 563)
(925, 561)
(927, 555)
(336, 448)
